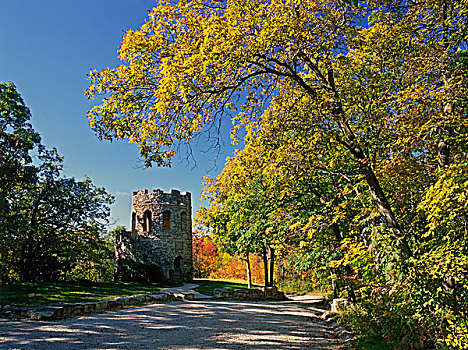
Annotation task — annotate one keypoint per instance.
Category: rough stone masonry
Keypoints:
(159, 245)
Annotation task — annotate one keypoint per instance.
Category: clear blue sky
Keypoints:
(47, 47)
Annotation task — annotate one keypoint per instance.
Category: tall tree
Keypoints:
(192, 61)
(17, 139)
(381, 83)
(44, 216)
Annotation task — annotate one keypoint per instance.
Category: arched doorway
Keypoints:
(179, 269)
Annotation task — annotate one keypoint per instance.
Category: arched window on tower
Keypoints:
(182, 220)
(166, 223)
(147, 221)
(133, 221)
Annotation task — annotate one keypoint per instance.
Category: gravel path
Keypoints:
(180, 325)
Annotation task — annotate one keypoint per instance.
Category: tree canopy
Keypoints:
(354, 138)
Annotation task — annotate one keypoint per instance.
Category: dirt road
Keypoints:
(180, 325)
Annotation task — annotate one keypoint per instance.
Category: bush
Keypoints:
(136, 271)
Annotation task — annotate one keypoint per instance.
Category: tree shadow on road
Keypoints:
(180, 325)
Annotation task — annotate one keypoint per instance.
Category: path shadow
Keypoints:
(180, 325)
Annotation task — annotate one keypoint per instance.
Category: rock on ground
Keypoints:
(181, 325)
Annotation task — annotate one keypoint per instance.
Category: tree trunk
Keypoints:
(443, 147)
(265, 266)
(348, 271)
(249, 271)
(378, 196)
(335, 287)
(443, 151)
(272, 267)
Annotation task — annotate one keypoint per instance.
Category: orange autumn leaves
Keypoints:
(211, 262)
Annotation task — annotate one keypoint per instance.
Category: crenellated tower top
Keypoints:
(156, 211)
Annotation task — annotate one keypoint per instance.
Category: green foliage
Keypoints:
(50, 225)
(139, 271)
(373, 343)
(390, 315)
(17, 139)
(96, 261)
(300, 286)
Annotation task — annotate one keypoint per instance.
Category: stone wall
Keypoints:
(63, 310)
(266, 293)
(159, 245)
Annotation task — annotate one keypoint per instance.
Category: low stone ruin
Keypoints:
(266, 293)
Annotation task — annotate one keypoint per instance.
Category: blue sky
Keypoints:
(47, 48)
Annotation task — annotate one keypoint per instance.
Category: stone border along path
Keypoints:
(200, 323)
(186, 292)
(61, 310)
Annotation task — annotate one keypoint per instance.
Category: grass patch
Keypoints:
(30, 294)
(207, 286)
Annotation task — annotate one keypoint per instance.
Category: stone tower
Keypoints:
(159, 245)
